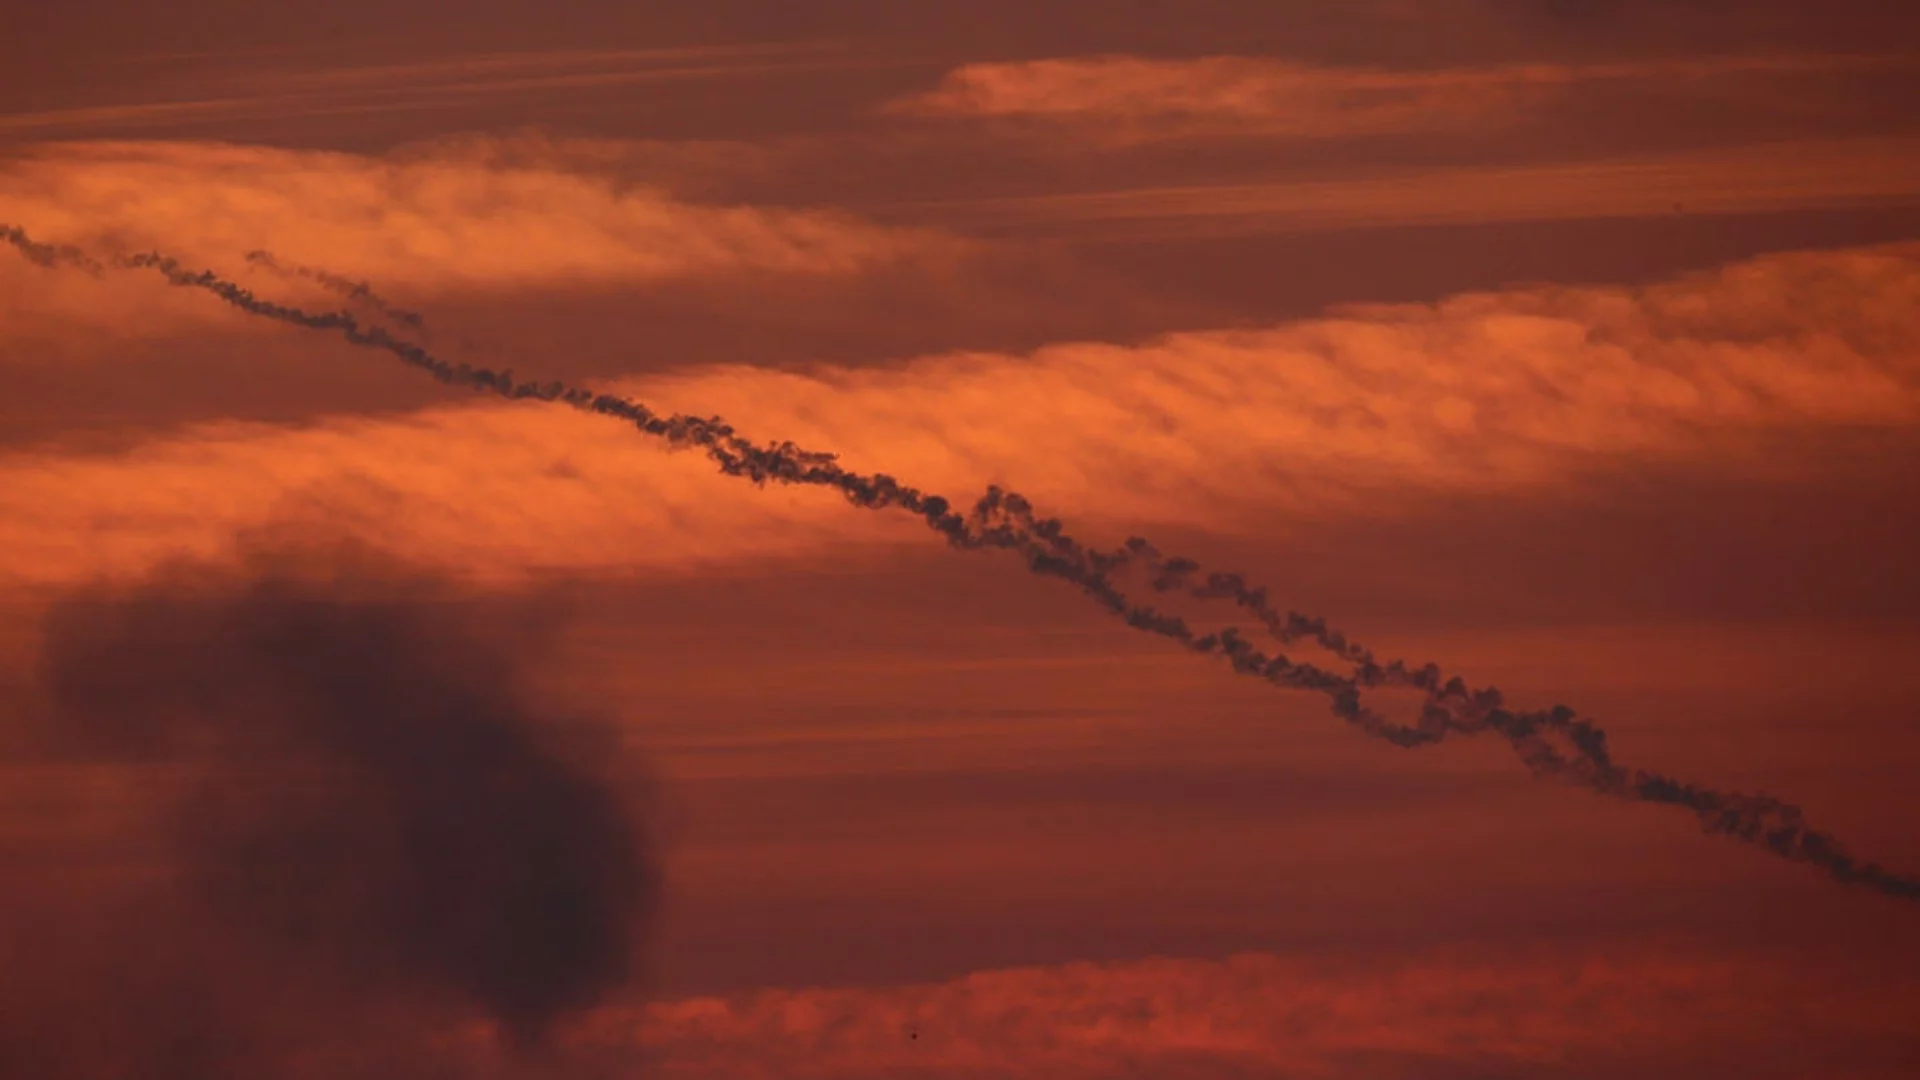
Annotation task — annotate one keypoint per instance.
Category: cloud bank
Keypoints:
(1265, 1015)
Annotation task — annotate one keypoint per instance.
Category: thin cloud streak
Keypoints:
(1876, 171)
(470, 69)
(429, 84)
(1121, 100)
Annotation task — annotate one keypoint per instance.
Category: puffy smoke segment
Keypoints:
(365, 814)
(1554, 742)
(353, 290)
(49, 255)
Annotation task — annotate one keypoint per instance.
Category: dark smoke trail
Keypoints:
(1553, 742)
(358, 291)
(49, 255)
(370, 814)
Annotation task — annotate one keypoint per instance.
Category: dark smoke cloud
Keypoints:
(1554, 742)
(359, 818)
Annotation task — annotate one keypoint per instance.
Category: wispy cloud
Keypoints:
(1264, 1015)
(421, 219)
(270, 94)
(1123, 99)
(1868, 171)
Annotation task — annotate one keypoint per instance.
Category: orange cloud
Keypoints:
(428, 221)
(1123, 99)
(1266, 1015)
(1341, 415)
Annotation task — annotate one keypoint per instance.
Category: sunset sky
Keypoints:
(1573, 345)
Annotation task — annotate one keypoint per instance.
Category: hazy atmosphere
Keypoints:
(954, 540)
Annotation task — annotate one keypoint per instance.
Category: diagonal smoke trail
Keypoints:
(1554, 742)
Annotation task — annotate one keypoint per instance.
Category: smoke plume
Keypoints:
(360, 818)
(1554, 742)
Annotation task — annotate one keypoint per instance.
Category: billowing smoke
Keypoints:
(361, 824)
(1554, 742)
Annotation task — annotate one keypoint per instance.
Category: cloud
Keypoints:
(1343, 416)
(421, 220)
(1762, 178)
(1117, 100)
(1265, 1015)
(280, 93)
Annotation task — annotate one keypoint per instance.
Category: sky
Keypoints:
(354, 723)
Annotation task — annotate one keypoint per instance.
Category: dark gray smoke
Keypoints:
(353, 290)
(1554, 742)
(49, 255)
(362, 812)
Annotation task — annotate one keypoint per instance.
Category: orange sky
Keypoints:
(1574, 346)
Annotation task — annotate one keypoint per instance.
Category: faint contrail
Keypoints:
(1553, 742)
